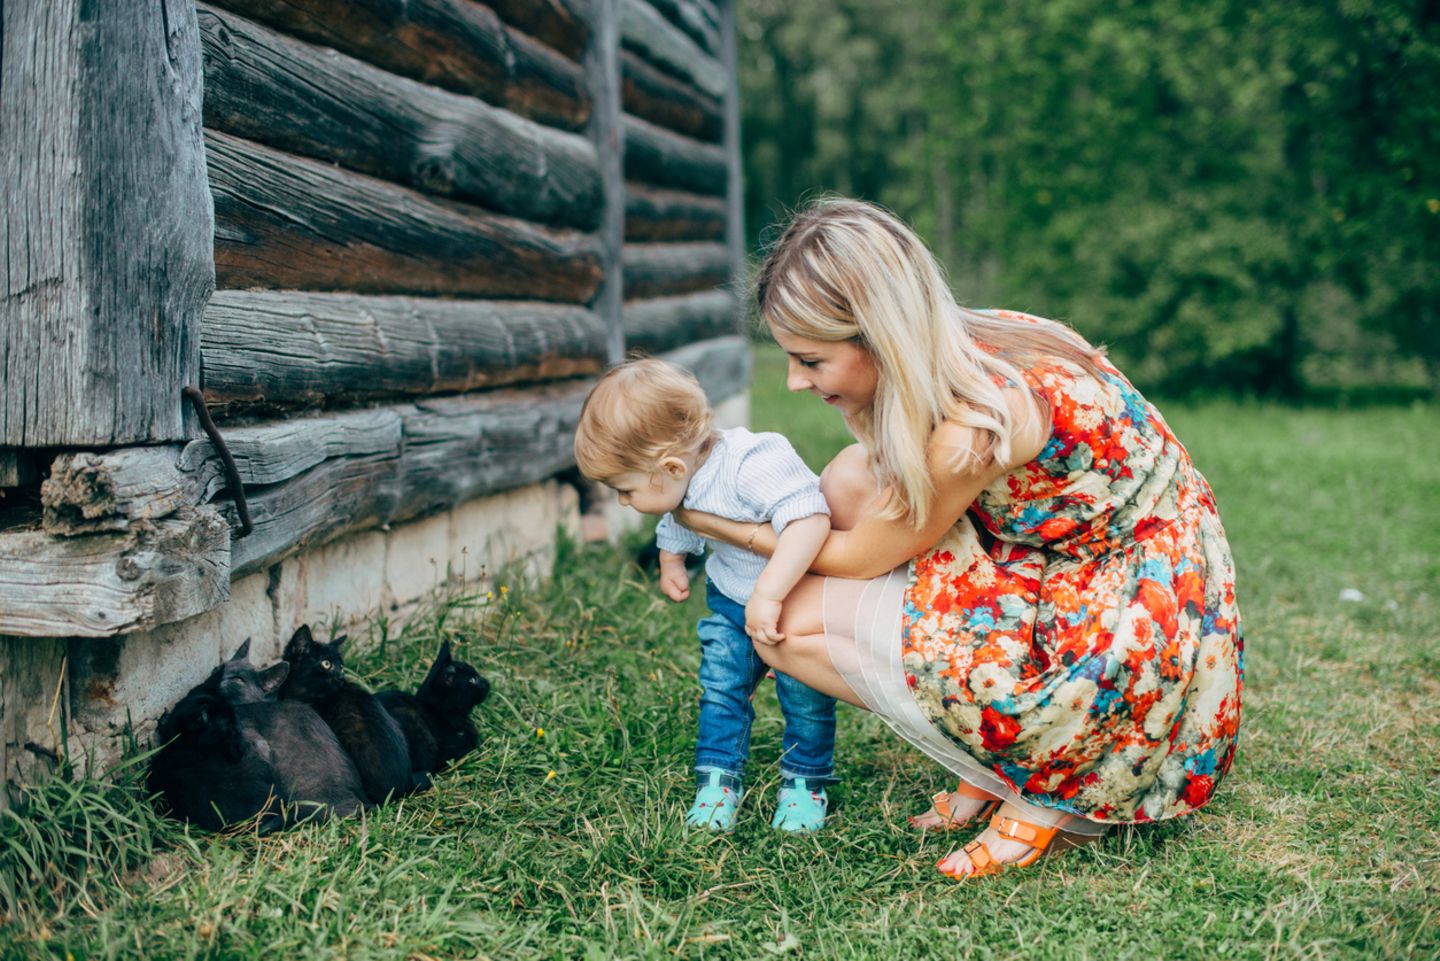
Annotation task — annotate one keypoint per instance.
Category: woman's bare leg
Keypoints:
(804, 654)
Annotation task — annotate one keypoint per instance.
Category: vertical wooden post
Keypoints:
(607, 131)
(735, 186)
(108, 230)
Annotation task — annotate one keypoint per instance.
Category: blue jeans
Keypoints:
(730, 670)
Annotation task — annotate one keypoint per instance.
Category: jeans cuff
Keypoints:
(813, 776)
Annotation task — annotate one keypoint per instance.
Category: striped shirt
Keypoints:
(751, 478)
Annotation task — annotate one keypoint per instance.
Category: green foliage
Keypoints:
(1226, 193)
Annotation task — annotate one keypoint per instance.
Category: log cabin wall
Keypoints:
(434, 223)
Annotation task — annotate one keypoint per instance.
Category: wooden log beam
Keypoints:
(108, 584)
(276, 349)
(644, 30)
(734, 162)
(722, 365)
(665, 323)
(563, 24)
(105, 224)
(665, 270)
(94, 492)
(607, 132)
(459, 45)
(261, 85)
(17, 468)
(695, 20)
(656, 214)
(284, 221)
(668, 101)
(657, 156)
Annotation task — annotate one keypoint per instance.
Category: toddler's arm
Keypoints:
(794, 551)
(674, 578)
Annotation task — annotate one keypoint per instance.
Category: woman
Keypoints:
(1028, 578)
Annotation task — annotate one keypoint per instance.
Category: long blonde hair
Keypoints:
(847, 270)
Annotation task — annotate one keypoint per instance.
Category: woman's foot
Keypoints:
(1009, 840)
(954, 809)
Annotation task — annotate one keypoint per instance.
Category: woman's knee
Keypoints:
(848, 486)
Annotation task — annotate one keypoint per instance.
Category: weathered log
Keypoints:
(668, 101)
(270, 349)
(455, 449)
(105, 222)
(108, 584)
(644, 30)
(261, 85)
(665, 159)
(655, 214)
(284, 221)
(665, 270)
(695, 20)
(607, 132)
(90, 492)
(665, 323)
(722, 365)
(460, 448)
(456, 44)
(563, 24)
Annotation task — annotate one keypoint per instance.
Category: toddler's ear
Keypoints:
(673, 467)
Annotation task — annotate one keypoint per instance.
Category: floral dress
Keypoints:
(1073, 642)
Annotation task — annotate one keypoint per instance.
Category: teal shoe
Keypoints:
(716, 804)
(799, 809)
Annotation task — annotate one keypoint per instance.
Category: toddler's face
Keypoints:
(650, 493)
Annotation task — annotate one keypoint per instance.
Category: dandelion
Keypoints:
(539, 732)
(504, 590)
(489, 595)
(550, 776)
(1434, 205)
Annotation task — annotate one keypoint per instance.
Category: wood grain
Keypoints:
(285, 221)
(656, 214)
(459, 45)
(644, 30)
(105, 224)
(663, 158)
(665, 323)
(261, 85)
(108, 584)
(277, 349)
(669, 102)
(665, 270)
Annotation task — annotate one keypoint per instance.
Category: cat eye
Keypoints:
(325, 665)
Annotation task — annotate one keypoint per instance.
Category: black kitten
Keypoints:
(240, 682)
(315, 775)
(436, 718)
(212, 769)
(365, 729)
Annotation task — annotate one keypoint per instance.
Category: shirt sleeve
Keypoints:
(671, 536)
(777, 483)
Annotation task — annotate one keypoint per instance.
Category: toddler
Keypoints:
(646, 431)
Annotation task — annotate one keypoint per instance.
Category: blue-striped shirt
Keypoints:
(751, 478)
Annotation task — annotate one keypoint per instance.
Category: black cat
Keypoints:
(436, 718)
(372, 738)
(315, 775)
(240, 682)
(213, 769)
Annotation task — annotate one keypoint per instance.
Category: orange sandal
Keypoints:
(1011, 829)
(941, 803)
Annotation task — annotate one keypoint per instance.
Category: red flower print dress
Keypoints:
(1073, 643)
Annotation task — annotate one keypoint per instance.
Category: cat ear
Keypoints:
(242, 652)
(339, 642)
(441, 660)
(273, 676)
(299, 642)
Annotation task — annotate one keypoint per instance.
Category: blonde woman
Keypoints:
(1026, 577)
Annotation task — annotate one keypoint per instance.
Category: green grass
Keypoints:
(1323, 843)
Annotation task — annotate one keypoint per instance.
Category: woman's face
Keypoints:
(840, 373)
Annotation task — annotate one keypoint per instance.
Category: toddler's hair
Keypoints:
(640, 412)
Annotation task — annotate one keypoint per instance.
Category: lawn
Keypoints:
(561, 837)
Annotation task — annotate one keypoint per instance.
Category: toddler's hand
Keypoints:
(762, 620)
(674, 578)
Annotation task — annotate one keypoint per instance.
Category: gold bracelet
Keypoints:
(750, 542)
